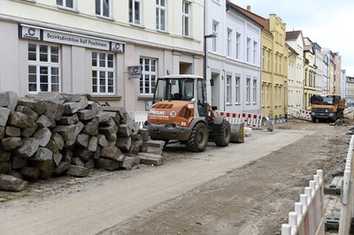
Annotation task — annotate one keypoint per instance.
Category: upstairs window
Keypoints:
(161, 15)
(103, 8)
(215, 32)
(255, 51)
(186, 18)
(248, 52)
(66, 3)
(135, 11)
(238, 45)
(229, 41)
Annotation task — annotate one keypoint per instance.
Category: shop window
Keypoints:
(135, 11)
(43, 68)
(148, 77)
(103, 73)
(186, 18)
(161, 16)
(103, 8)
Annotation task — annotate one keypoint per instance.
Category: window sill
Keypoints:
(238, 104)
(187, 37)
(162, 31)
(73, 10)
(105, 97)
(137, 25)
(146, 97)
(228, 104)
(105, 18)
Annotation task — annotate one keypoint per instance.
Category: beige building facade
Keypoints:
(296, 73)
(98, 47)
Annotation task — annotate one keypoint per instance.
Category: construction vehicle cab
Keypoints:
(327, 108)
(180, 112)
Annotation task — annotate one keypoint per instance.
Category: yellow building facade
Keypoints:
(275, 69)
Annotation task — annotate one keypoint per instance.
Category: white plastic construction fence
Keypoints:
(139, 117)
(249, 119)
(347, 203)
(308, 215)
(299, 113)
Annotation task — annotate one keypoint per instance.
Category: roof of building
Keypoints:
(292, 35)
(293, 51)
(259, 20)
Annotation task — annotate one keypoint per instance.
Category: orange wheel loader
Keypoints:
(180, 112)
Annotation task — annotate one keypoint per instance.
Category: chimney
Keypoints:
(248, 8)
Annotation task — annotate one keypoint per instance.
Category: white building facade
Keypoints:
(98, 47)
(233, 70)
(296, 72)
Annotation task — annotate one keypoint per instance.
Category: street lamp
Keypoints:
(213, 35)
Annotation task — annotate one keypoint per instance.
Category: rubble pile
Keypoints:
(47, 135)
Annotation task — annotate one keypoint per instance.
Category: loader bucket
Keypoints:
(237, 133)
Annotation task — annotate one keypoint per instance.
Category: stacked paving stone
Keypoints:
(49, 135)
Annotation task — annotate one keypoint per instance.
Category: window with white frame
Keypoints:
(255, 91)
(103, 8)
(238, 89)
(103, 73)
(161, 14)
(135, 14)
(238, 45)
(228, 89)
(149, 75)
(186, 18)
(248, 90)
(215, 32)
(255, 49)
(43, 68)
(66, 3)
(229, 41)
(248, 52)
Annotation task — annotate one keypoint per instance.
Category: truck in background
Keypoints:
(329, 107)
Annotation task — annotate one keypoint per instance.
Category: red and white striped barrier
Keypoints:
(249, 119)
(299, 113)
(308, 217)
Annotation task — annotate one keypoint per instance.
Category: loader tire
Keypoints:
(222, 138)
(198, 140)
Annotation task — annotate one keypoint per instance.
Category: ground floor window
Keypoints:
(248, 90)
(255, 91)
(228, 89)
(148, 76)
(238, 89)
(103, 73)
(43, 68)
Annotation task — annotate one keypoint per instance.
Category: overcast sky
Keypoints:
(327, 22)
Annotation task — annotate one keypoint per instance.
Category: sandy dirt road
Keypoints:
(251, 200)
(105, 200)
